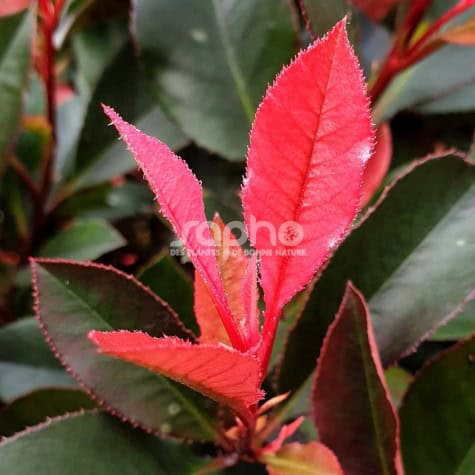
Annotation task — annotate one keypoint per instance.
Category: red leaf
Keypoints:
(352, 408)
(375, 9)
(10, 7)
(311, 138)
(298, 459)
(181, 201)
(378, 165)
(286, 431)
(233, 265)
(221, 373)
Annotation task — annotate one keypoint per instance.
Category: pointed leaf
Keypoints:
(210, 61)
(419, 237)
(232, 264)
(73, 298)
(378, 164)
(223, 374)
(305, 161)
(181, 201)
(352, 407)
(298, 459)
(92, 443)
(286, 431)
(438, 415)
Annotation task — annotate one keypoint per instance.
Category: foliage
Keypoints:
(316, 317)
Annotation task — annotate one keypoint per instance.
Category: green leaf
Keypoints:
(209, 63)
(26, 362)
(15, 57)
(83, 241)
(36, 407)
(397, 380)
(323, 15)
(165, 278)
(91, 153)
(74, 298)
(462, 326)
(409, 257)
(430, 88)
(438, 415)
(92, 442)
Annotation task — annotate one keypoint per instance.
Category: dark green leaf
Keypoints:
(438, 415)
(409, 257)
(93, 443)
(73, 299)
(462, 326)
(36, 407)
(15, 57)
(209, 63)
(170, 283)
(83, 241)
(26, 362)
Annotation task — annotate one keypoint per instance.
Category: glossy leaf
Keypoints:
(167, 280)
(209, 63)
(397, 258)
(15, 52)
(83, 240)
(298, 459)
(24, 371)
(93, 442)
(305, 161)
(181, 201)
(34, 408)
(438, 415)
(223, 374)
(74, 298)
(375, 9)
(378, 165)
(351, 404)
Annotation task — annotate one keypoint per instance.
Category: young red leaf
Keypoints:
(375, 9)
(299, 459)
(286, 431)
(311, 138)
(181, 201)
(223, 374)
(233, 265)
(250, 298)
(352, 407)
(378, 164)
(10, 7)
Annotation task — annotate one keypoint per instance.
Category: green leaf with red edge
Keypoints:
(304, 170)
(209, 63)
(16, 33)
(93, 443)
(302, 459)
(223, 374)
(351, 404)
(420, 232)
(35, 407)
(438, 415)
(73, 298)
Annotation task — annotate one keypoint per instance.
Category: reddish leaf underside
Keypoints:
(378, 165)
(352, 407)
(375, 9)
(303, 459)
(311, 138)
(180, 197)
(223, 374)
(233, 266)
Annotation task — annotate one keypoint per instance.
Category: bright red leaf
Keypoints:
(303, 459)
(180, 197)
(375, 9)
(378, 164)
(309, 144)
(286, 431)
(221, 373)
(353, 411)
